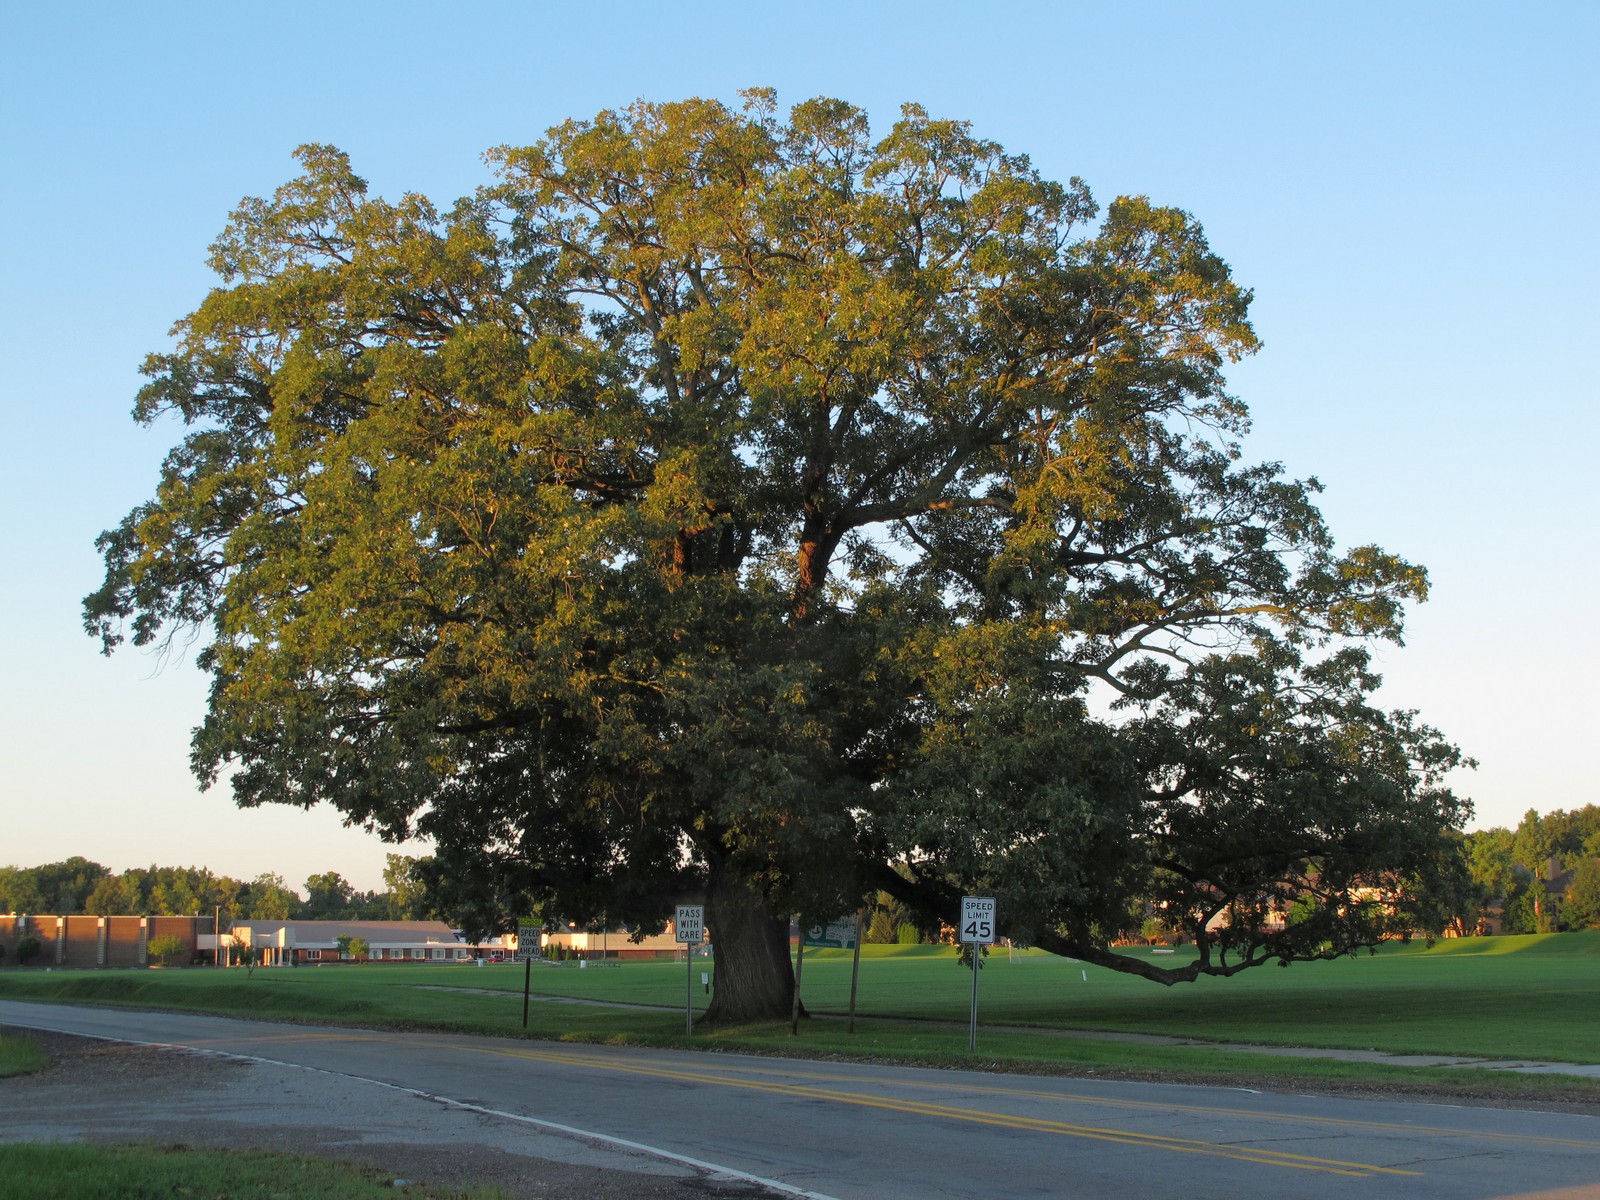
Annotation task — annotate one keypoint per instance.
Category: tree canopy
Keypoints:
(60, 887)
(733, 504)
(80, 886)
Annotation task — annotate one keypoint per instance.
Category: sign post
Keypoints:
(855, 972)
(841, 934)
(977, 931)
(689, 926)
(799, 968)
(528, 937)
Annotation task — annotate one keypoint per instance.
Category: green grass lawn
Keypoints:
(1509, 997)
(29, 1172)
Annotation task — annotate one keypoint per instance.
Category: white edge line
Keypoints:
(716, 1169)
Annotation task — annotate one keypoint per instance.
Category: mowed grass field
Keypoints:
(1535, 997)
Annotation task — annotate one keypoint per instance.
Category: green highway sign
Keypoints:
(832, 935)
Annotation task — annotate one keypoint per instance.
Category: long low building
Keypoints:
(77, 940)
(284, 943)
(124, 941)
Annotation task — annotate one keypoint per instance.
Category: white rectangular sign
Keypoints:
(977, 920)
(528, 939)
(690, 923)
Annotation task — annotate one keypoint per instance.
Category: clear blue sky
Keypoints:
(1409, 188)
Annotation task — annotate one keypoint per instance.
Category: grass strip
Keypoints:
(20, 1055)
(48, 1172)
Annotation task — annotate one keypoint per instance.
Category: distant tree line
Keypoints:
(78, 885)
(1544, 875)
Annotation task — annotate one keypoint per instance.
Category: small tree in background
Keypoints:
(165, 946)
(27, 950)
(2, 953)
(242, 952)
(358, 948)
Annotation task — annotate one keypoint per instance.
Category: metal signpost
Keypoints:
(977, 931)
(529, 934)
(689, 926)
(855, 972)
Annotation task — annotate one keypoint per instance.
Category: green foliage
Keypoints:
(1155, 931)
(330, 897)
(1560, 836)
(166, 891)
(268, 898)
(353, 947)
(891, 923)
(407, 897)
(1582, 909)
(165, 946)
(1521, 913)
(729, 504)
(61, 887)
(1510, 867)
(28, 949)
(78, 885)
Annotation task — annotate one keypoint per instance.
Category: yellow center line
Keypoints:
(974, 1116)
(1206, 1110)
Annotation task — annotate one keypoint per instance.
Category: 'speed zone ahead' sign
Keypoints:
(690, 923)
(528, 941)
(977, 920)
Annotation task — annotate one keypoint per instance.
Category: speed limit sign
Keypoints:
(977, 920)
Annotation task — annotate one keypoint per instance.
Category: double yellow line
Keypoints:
(974, 1116)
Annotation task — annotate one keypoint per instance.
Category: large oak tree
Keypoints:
(728, 504)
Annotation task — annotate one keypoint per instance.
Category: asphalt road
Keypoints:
(860, 1132)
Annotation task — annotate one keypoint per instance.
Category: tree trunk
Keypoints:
(754, 977)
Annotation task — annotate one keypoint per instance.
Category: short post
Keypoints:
(527, 986)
